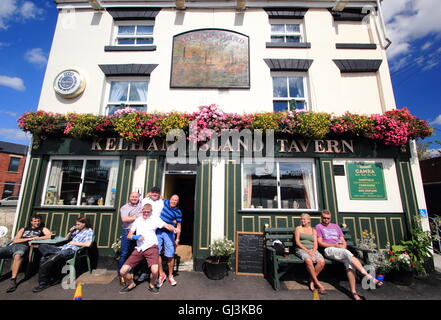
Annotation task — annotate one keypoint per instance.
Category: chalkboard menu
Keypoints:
(249, 253)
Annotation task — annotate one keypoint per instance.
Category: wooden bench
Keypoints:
(277, 266)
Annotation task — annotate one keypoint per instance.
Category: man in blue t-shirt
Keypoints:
(170, 214)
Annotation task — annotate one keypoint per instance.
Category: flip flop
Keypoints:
(356, 294)
(322, 291)
(379, 284)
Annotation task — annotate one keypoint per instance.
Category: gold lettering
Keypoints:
(349, 146)
(121, 145)
(282, 144)
(294, 146)
(152, 146)
(137, 146)
(303, 146)
(333, 146)
(319, 146)
(110, 144)
(96, 144)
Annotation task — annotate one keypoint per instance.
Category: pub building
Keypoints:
(246, 57)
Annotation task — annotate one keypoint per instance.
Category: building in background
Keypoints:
(245, 56)
(12, 163)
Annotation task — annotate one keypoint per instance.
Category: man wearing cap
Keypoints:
(153, 197)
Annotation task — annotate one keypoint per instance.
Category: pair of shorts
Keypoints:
(302, 254)
(14, 249)
(150, 255)
(166, 239)
(341, 255)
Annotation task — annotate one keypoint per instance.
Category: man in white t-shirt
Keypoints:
(146, 248)
(153, 197)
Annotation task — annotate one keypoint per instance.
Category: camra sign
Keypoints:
(69, 84)
(366, 181)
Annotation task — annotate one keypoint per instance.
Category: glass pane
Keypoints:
(126, 30)
(260, 186)
(100, 182)
(293, 28)
(126, 41)
(144, 30)
(277, 39)
(296, 87)
(279, 28)
(280, 88)
(64, 182)
(280, 106)
(292, 39)
(118, 91)
(8, 189)
(296, 185)
(14, 164)
(138, 91)
(297, 105)
(144, 41)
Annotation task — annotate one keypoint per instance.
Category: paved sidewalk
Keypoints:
(196, 286)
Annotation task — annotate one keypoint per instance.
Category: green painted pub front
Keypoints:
(390, 227)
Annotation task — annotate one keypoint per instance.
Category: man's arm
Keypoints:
(169, 227)
(178, 233)
(323, 244)
(18, 237)
(87, 243)
(47, 234)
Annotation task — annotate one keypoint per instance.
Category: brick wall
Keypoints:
(6, 176)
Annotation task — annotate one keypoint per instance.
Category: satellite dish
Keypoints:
(3, 231)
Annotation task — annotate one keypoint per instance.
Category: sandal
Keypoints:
(354, 294)
(379, 284)
(322, 291)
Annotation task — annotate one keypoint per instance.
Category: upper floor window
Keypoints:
(289, 93)
(127, 93)
(286, 31)
(134, 34)
(14, 163)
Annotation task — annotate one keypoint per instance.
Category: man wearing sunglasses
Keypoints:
(331, 237)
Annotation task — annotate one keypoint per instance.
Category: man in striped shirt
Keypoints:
(170, 214)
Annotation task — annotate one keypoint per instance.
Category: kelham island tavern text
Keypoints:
(301, 84)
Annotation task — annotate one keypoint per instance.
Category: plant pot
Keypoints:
(401, 277)
(215, 268)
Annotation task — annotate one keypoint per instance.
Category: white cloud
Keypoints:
(36, 56)
(12, 82)
(15, 134)
(427, 45)
(436, 121)
(13, 10)
(9, 113)
(408, 20)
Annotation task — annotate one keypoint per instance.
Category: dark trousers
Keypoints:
(51, 263)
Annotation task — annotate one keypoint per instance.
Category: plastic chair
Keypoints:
(2, 261)
(82, 252)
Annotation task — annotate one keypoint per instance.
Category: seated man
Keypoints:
(54, 257)
(146, 248)
(331, 237)
(171, 214)
(20, 246)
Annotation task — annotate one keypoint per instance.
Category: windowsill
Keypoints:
(12, 172)
(275, 210)
(304, 45)
(365, 46)
(94, 207)
(130, 48)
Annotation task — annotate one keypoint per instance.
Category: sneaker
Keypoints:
(12, 287)
(172, 280)
(40, 287)
(161, 280)
(142, 277)
(126, 289)
(154, 290)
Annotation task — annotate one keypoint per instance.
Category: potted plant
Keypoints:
(116, 246)
(216, 266)
(400, 266)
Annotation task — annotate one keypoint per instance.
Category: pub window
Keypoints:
(127, 93)
(279, 185)
(286, 31)
(81, 182)
(8, 189)
(134, 34)
(289, 92)
(14, 163)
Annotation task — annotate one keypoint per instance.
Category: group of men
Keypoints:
(52, 257)
(155, 224)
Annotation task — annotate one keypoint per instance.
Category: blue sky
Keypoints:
(27, 28)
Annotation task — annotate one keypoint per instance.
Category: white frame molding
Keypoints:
(279, 209)
(83, 172)
(288, 74)
(300, 34)
(131, 23)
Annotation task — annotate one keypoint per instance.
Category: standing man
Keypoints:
(170, 214)
(20, 246)
(331, 237)
(129, 213)
(153, 197)
(146, 248)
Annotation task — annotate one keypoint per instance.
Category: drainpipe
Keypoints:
(380, 11)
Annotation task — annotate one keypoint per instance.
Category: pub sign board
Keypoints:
(249, 253)
(366, 181)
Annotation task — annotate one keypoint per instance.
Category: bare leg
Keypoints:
(357, 265)
(16, 263)
(319, 266)
(154, 275)
(311, 270)
(161, 270)
(127, 275)
(171, 263)
(352, 286)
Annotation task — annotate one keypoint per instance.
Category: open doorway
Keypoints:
(184, 185)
